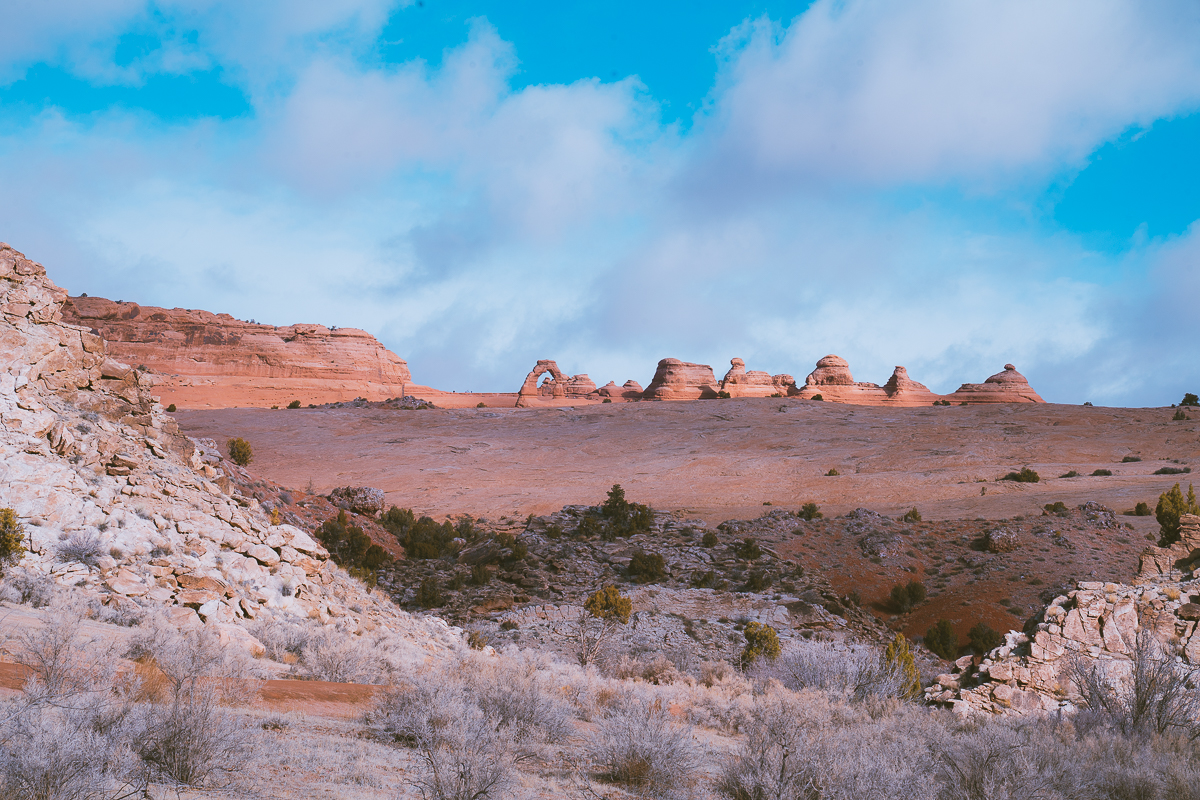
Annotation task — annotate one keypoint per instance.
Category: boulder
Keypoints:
(359, 499)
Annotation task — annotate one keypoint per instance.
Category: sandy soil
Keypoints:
(719, 459)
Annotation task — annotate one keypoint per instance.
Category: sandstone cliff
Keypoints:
(201, 359)
(740, 383)
(1008, 386)
(87, 456)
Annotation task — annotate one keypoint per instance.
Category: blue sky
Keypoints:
(945, 185)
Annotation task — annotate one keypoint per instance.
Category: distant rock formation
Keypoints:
(558, 387)
(632, 390)
(1009, 386)
(213, 360)
(833, 382)
(740, 383)
(679, 380)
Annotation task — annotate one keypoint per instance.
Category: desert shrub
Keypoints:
(28, 587)
(1155, 698)
(429, 594)
(1142, 510)
(1130, 459)
(422, 538)
(283, 641)
(1058, 508)
(603, 613)
(647, 567)
(1171, 506)
(757, 581)
(332, 655)
(912, 515)
(509, 625)
(851, 673)
(640, 746)
(171, 409)
(240, 452)
(480, 575)
(1072, 474)
(983, 637)
(80, 546)
(623, 518)
(748, 549)
(705, 580)
(723, 395)
(1179, 416)
(350, 546)
(1172, 470)
(905, 597)
(294, 404)
(810, 511)
(761, 642)
(942, 640)
(709, 539)
(1190, 399)
(12, 532)
(818, 397)
(833, 473)
(476, 640)
(1101, 473)
(1025, 475)
(899, 657)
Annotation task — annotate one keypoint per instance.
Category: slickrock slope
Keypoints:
(211, 360)
(86, 456)
(679, 380)
(833, 381)
(740, 383)
(1098, 622)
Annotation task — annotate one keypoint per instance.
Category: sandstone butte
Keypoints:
(201, 359)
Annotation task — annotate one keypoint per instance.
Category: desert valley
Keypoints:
(258, 561)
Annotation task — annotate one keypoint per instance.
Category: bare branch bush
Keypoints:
(1155, 695)
(641, 747)
(27, 587)
(857, 673)
(332, 655)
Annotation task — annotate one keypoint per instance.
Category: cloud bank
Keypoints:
(867, 178)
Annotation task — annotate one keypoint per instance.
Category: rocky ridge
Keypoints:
(123, 511)
(1096, 621)
(832, 380)
(201, 359)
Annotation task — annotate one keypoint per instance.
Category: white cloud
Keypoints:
(880, 92)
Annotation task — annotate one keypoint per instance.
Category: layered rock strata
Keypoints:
(1097, 622)
(679, 380)
(631, 390)
(1008, 386)
(557, 388)
(201, 359)
(738, 382)
(87, 458)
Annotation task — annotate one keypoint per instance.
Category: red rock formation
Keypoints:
(632, 390)
(1009, 386)
(558, 389)
(679, 380)
(213, 360)
(740, 383)
(833, 381)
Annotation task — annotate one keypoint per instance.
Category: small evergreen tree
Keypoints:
(899, 655)
(240, 452)
(12, 534)
(984, 637)
(761, 642)
(810, 511)
(942, 640)
(1171, 506)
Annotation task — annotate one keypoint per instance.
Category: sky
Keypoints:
(949, 185)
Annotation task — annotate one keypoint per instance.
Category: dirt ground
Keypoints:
(720, 459)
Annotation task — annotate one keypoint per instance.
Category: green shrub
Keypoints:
(942, 640)
(1071, 474)
(833, 473)
(983, 638)
(476, 640)
(705, 580)
(1172, 470)
(818, 397)
(609, 604)
(748, 549)
(12, 534)
(1171, 506)
(905, 596)
(171, 408)
(240, 452)
(757, 581)
(899, 655)
(509, 625)
(709, 539)
(1142, 510)
(606, 400)
(294, 404)
(349, 546)
(429, 595)
(623, 518)
(423, 538)
(1190, 399)
(480, 575)
(912, 515)
(1130, 459)
(723, 395)
(1058, 507)
(761, 642)
(1026, 475)
(647, 567)
(810, 511)
(1179, 416)
(1102, 473)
